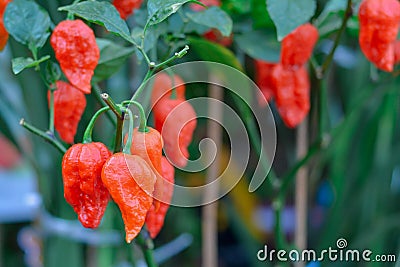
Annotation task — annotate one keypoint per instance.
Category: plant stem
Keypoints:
(97, 94)
(127, 148)
(321, 72)
(146, 244)
(87, 136)
(118, 135)
(113, 106)
(51, 110)
(49, 137)
(175, 56)
(142, 86)
(143, 120)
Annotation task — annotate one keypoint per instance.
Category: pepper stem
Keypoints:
(87, 136)
(143, 120)
(127, 148)
(173, 90)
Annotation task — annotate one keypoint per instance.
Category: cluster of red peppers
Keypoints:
(174, 117)
(139, 179)
(75, 48)
(288, 81)
(379, 26)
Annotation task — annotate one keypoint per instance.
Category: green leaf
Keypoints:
(213, 17)
(102, 13)
(112, 57)
(260, 45)
(159, 10)
(209, 51)
(331, 17)
(21, 63)
(289, 14)
(27, 22)
(259, 13)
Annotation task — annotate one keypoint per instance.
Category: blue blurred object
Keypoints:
(325, 194)
(314, 264)
(19, 199)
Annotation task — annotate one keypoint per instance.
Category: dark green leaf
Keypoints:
(27, 22)
(159, 10)
(21, 63)
(289, 14)
(209, 51)
(52, 72)
(112, 57)
(213, 17)
(259, 45)
(102, 13)
(259, 13)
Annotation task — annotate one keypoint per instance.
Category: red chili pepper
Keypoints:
(297, 47)
(148, 146)
(76, 50)
(69, 105)
(216, 36)
(379, 26)
(263, 77)
(292, 94)
(176, 120)
(3, 31)
(83, 188)
(155, 218)
(126, 7)
(130, 181)
(163, 85)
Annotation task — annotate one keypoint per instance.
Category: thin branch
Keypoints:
(324, 67)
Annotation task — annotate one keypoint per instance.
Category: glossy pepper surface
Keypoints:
(379, 26)
(176, 120)
(148, 145)
(76, 50)
(69, 105)
(155, 218)
(83, 188)
(130, 181)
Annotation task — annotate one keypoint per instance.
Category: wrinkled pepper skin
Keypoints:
(176, 120)
(3, 31)
(155, 218)
(76, 50)
(130, 181)
(379, 26)
(69, 105)
(83, 188)
(298, 46)
(163, 85)
(292, 94)
(126, 7)
(263, 78)
(148, 146)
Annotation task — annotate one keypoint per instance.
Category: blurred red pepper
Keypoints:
(379, 26)
(3, 31)
(263, 78)
(126, 7)
(163, 85)
(155, 218)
